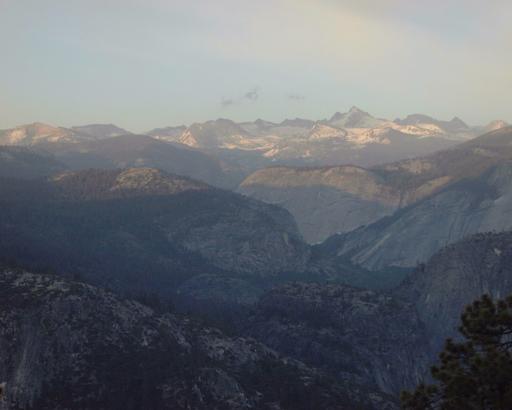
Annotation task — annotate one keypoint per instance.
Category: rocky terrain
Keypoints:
(332, 200)
(354, 137)
(222, 152)
(367, 345)
(454, 126)
(66, 345)
(457, 275)
(108, 146)
(326, 200)
(353, 334)
(39, 133)
(143, 229)
(300, 335)
(414, 233)
(31, 134)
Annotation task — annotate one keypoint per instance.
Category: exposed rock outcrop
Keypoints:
(331, 200)
(66, 345)
(324, 200)
(456, 276)
(415, 233)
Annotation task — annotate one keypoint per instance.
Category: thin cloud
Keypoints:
(295, 97)
(250, 96)
(226, 102)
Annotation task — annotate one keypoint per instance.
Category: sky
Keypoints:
(143, 64)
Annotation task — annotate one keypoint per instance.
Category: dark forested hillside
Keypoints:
(23, 163)
(127, 151)
(354, 334)
(142, 229)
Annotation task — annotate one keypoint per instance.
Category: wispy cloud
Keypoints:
(226, 102)
(295, 97)
(250, 96)
(393, 56)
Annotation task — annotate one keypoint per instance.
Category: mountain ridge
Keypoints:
(330, 200)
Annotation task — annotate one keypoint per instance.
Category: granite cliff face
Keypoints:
(324, 200)
(66, 345)
(331, 200)
(354, 334)
(456, 276)
(415, 233)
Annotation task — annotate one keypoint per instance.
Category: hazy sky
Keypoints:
(149, 63)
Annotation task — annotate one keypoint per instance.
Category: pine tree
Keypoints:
(475, 373)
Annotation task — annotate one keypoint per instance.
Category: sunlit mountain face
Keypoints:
(223, 152)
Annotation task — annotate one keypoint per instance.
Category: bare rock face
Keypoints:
(238, 238)
(37, 132)
(336, 200)
(324, 200)
(413, 234)
(354, 334)
(66, 345)
(456, 276)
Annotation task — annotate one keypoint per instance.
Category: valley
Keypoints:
(251, 279)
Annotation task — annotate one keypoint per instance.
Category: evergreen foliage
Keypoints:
(475, 373)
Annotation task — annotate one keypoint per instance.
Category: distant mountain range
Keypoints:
(434, 159)
(223, 152)
(354, 137)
